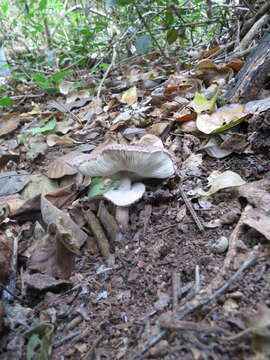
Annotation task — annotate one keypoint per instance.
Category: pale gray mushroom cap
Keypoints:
(136, 162)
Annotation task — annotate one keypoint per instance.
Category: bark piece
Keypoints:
(253, 75)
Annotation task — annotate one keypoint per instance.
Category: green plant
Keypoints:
(50, 84)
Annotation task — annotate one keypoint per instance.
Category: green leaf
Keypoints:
(143, 44)
(39, 341)
(119, 2)
(169, 19)
(33, 343)
(200, 103)
(99, 186)
(6, 101)
(172, 35)
(59, 76)
(38, 130)
(40, 79)
(42, 4)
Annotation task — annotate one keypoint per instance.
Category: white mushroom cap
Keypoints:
(125, 197)
(136, 162)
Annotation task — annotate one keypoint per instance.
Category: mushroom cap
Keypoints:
(125, 197)
(136, 162)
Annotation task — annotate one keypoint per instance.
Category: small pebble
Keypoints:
(221, 245)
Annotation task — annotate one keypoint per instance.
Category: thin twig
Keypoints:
(70, 336)
(90, 353)
(198, 302)
(148, 28)
(176, 289)
(191, 210)
(197, 280)
(9, 290)
(107, 71)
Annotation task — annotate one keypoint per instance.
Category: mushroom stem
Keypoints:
(122, 217)
(122, 213)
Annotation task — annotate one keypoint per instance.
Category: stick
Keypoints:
(191, 210)
(107, 71)
(176, 289)
(10, 288)
(90, 352)
(198, 302)
(197, 280)
(95, 226)
(109, 223)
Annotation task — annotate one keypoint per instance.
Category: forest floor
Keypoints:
(174, 285)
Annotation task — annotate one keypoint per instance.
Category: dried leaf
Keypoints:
(257, 193)
(54, 254)
(43, 282)
(7, 126)
(39, 184)
(53, 140)
(51, 214)
(218, 181)
(130, 96)
(62, 166)
(13, 182)
(6, 245)
(223, 119)
(208, 53)
(259, 220)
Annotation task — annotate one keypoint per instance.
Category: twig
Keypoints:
(107, 71)
(197, 302)
(197, 280)
(253, 32)
(63, 108)
(109, 223)
(9, 290)
(191, 210)
(70, 336)
(95, 226)
(90, 353)
(176, 289)
(148, 28)
(12, 295)
(248, 24)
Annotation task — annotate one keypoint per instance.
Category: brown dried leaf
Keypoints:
(52, 255)
(6, 245)
(52, 214)
(43, 282)
(7, 126)
(235, 64)
(158, 128)
(53, 140)
(208, 53)
(257, 193)
(39, 184)
(130, 96)
(62, 166)
(259, 220)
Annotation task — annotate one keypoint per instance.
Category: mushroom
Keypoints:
(147, 159)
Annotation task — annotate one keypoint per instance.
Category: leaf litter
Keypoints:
(86, 278)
